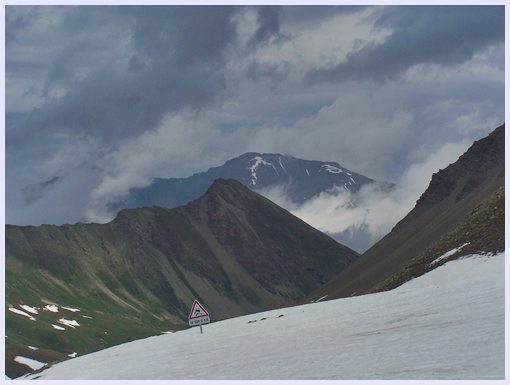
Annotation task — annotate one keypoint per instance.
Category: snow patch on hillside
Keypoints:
(70, 309)
(52, 308)
(320, 299)
(448, 254)
(33, 364)
(446, 324)
(30, 309)
(70, 323)
(21, 312)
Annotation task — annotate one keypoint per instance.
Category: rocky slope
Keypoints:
(461, 212)
(233, 249)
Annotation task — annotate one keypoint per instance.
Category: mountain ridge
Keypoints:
(234, 250)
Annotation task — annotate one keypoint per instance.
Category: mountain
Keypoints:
(289, 181)
(460, 213)
(436, 327)
(301, 180)
(74, 289)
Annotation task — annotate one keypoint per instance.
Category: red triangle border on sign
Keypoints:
(196, 303)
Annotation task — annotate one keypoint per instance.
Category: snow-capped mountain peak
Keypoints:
(300, 179)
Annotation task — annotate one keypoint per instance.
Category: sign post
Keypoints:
(198, 315)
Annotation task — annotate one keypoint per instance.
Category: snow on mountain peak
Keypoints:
(253, 168)
(334, 170)
(281, 164)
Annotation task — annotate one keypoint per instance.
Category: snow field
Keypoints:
(447, 324)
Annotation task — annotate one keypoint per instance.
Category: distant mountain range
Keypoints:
(234, 250)
(462, 212)
(301, 179)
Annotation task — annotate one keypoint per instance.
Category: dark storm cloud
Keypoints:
(17, 23)
(316, 13)
(186, 35)
(444, 35)
(175, 63)
(268, 24)
(112, 106)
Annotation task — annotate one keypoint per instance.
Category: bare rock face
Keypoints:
(464, 203)
(482, 164)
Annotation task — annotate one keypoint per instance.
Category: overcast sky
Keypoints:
(100, 99)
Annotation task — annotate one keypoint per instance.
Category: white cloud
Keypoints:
(180, 145)
(321, 44)
(376, 210)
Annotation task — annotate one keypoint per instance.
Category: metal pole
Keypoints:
(201, 329)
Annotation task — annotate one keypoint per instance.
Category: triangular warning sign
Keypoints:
(197, 311)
